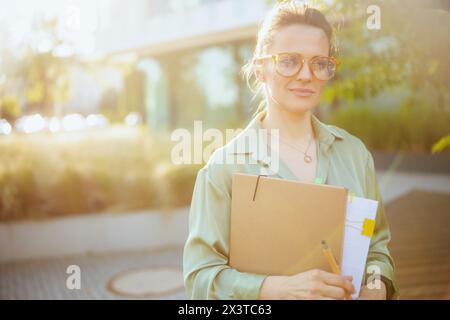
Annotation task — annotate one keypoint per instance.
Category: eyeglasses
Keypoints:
(289, 64)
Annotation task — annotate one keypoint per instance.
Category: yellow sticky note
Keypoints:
(368, 227)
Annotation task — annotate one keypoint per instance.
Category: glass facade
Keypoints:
(198, 84)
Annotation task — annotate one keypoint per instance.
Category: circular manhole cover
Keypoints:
(147, 282)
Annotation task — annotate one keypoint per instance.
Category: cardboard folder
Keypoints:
(277, 225)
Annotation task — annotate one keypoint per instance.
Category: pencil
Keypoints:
(332, 261)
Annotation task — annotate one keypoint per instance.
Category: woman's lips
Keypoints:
(302, 92)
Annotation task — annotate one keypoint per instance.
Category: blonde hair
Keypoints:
(283, 14)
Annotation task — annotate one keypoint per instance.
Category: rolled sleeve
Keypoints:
(205, 258)
(379, 257)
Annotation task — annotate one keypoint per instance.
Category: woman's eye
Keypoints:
(288, 62)
(321, 65)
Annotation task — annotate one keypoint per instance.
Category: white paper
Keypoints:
(356, 245)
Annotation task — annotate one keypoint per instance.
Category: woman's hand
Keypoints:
(373, 294)
(310, 285)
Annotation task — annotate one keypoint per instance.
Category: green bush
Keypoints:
(115, 169)
(10, 108)
(409, 128)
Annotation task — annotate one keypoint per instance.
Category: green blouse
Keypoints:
(343, 160)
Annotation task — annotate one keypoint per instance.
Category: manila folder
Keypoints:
(277, 225)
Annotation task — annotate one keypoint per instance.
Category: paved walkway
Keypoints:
(46, 279)
(395, 184)
(420, 245)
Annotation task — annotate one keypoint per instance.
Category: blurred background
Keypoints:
(90, 92)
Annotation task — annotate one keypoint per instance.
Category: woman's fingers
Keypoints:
(336, 280)
(332, 292)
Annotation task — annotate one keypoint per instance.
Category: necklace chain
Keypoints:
(307, 158)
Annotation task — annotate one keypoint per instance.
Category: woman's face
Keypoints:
(309, 42)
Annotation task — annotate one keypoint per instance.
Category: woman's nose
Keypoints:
(305, 73)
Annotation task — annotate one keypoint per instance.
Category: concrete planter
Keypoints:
(93, 233)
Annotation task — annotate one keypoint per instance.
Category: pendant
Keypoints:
(307, 158)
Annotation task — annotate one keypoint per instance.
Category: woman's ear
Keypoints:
(259, 74)
(258, 70)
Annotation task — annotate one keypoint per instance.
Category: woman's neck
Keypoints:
(294, 126)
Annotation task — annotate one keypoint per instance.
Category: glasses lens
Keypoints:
(324, 68)
(288, 64)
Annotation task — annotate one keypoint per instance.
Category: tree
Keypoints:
(45, 75)
(10, 108)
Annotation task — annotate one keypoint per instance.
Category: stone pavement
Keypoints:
(46, 278)
(420, 244)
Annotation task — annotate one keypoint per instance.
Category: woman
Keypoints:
(292, 63)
